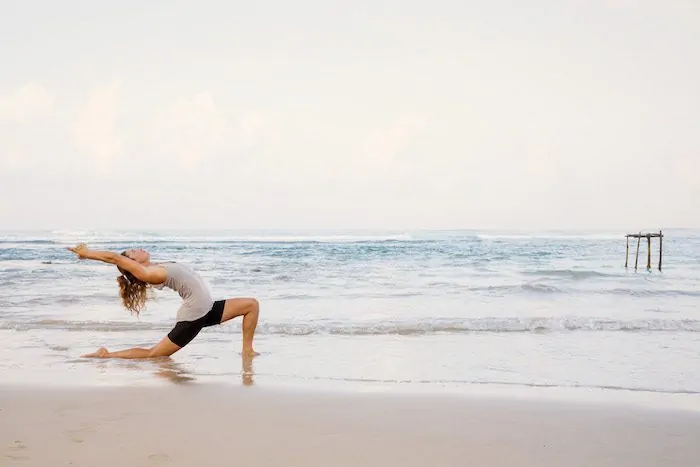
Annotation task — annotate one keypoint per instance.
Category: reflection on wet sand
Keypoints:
(173, 372)
(178, 374)
(247, 370)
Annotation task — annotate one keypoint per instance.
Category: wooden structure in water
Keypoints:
(639, 236)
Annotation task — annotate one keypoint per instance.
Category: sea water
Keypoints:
(429, 310)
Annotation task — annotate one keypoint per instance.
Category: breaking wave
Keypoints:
(409, 328)
(572, 274)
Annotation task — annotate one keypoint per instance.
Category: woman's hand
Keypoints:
(81, 250)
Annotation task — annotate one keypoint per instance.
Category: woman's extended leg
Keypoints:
(184, 332)
(249, 308)
(164, 348)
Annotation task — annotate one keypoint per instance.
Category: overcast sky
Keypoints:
(361, 114)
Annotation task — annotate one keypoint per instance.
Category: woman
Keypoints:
(198, 309)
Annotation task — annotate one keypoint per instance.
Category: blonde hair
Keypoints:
(133, 292)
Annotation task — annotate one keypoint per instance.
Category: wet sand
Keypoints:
(199, 425)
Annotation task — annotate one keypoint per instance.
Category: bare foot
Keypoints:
(249, 353)
(100, 353)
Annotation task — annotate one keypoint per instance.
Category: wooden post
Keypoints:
(648, 252)
(661, 247)
(627, 251)
(636, 257)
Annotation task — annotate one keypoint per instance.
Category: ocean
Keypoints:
(487, 311)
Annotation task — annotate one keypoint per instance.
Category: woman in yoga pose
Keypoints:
(198, 308)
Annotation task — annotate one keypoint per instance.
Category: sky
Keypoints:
(545, 114)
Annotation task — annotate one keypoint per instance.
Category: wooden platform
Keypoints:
(645, 235)
(648, 235)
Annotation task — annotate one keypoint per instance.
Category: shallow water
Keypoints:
(433, 309)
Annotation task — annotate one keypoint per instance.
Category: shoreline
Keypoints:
(162, 375)
(166, 377)
(210, 424)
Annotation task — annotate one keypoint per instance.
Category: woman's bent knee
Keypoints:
(239, 307)
(248, 305)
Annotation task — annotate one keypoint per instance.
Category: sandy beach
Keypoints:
(202, 425)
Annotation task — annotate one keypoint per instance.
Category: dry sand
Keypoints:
(200, 426)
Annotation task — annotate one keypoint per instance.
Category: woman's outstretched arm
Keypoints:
(153, 275)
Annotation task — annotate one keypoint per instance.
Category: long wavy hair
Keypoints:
(133, 292)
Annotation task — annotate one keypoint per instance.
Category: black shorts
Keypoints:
(185, 331)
